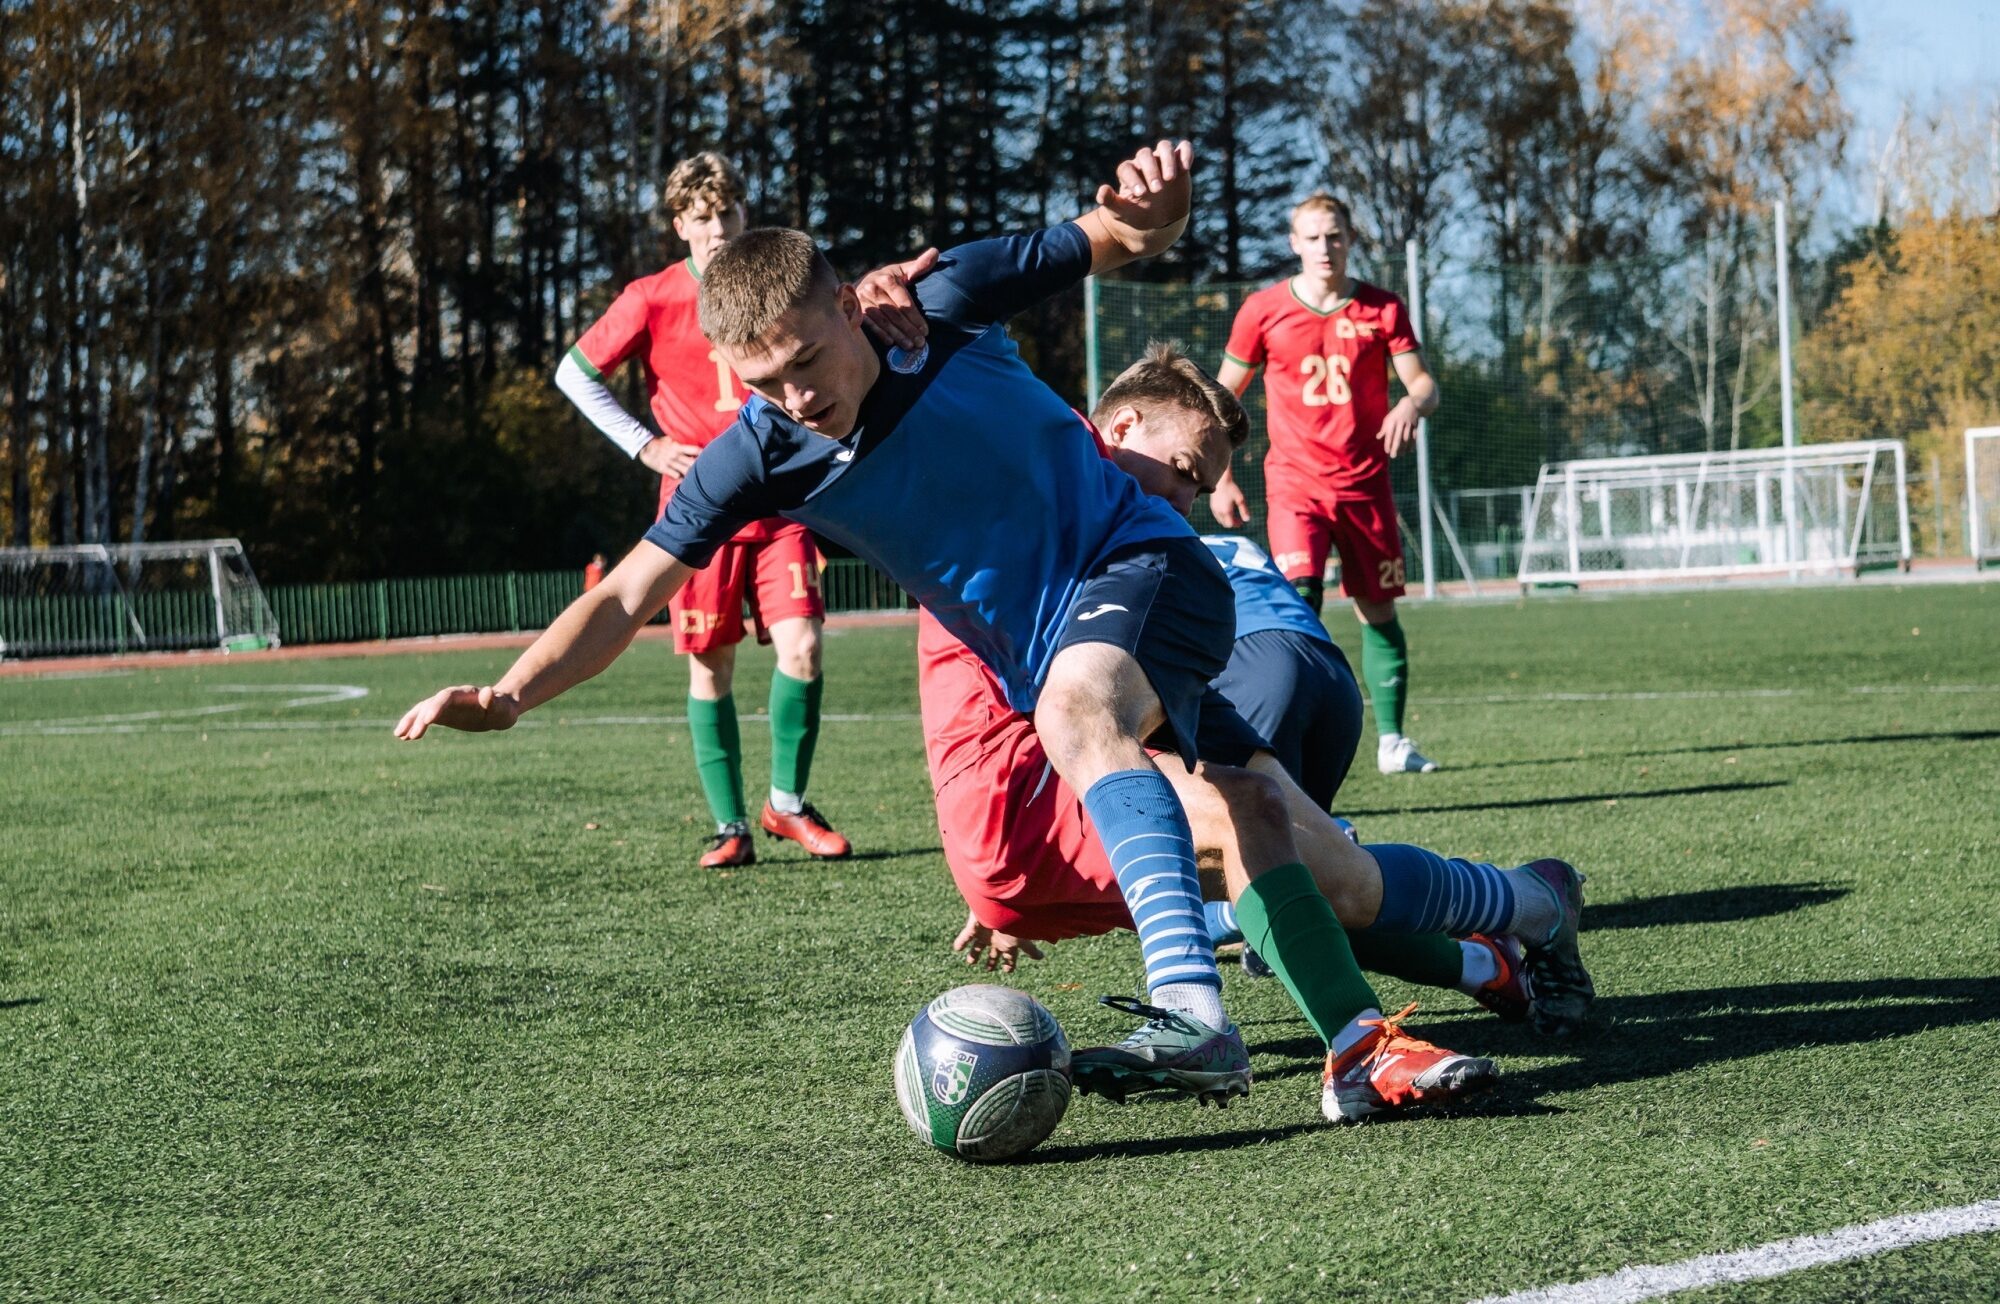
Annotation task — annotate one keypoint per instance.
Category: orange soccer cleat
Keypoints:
(809, 829)
(1389, 1069)
(1508, 995)
(730, 846)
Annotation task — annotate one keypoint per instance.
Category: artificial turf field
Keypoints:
(289, 1010)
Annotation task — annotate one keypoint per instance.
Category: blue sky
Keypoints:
(1904, 47)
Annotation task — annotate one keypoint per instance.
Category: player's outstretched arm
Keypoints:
(586, 638)
(1146, 211)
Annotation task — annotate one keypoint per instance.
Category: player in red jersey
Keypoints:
(1327, 343)
(771, 564)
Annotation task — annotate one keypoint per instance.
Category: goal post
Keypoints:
(1982, 494)
(1815, 508)
(92, 598)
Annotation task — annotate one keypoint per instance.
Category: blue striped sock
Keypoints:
(1222, 929)
(1422, 892)
(1146, 836)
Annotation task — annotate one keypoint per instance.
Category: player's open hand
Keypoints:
(666, 457)
(474, 710)
(1399, 428)
(888, 306)
(1001, 950)
(1153, 187)
(1229, 504)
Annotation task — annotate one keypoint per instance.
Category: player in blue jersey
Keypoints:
(972, 485)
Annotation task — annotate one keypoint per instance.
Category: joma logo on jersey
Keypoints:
(953, 1077)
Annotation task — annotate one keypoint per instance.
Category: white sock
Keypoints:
(1388, 741)
(1197, 999)
(1537, 911)
(787, 803)
(1480, 966)
(1354, 1032)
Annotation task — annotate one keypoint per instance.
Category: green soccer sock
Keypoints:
(794, 730)
(718, 756)
(1292, 927)
(1385, 667)
(1426, 959)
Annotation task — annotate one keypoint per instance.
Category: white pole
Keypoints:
(1091, 375)
(1786, 425)
(1972, 482)
(1902, 503)
(1423, 439)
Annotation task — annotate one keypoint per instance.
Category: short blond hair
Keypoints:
(704, 180)
(1164, 376)
(759, 277)
(1319, 201)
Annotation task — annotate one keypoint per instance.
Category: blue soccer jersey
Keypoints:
(966, 479)
(1265, 599)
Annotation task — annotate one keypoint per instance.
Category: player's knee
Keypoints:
(799, 651)
(1074, 722)
(1252, 800)
(711, 675)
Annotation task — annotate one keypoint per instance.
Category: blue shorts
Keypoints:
(1168, 603)
(1298, 692)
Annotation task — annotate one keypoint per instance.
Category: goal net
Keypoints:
(1982, 494)
(131, 597)
(1817, 508)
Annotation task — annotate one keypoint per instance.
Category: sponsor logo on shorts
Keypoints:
(1286, 561)
(1102, 608)
(953, 1077)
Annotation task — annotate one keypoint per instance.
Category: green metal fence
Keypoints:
(77, 624)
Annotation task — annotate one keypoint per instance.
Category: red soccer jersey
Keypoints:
(1326, 384)
(693, 392)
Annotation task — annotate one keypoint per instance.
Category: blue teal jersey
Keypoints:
(1265, 599)
(966, 479)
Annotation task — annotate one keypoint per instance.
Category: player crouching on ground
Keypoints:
(1029, 862)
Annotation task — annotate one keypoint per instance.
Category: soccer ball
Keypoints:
(983, 1073)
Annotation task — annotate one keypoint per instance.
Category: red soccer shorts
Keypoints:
(1022, 851)
(776, 578)
(1363, 530)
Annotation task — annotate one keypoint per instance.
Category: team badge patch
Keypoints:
(953, 1077)
(905, 363)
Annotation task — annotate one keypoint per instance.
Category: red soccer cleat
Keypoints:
(1389, 1069)
(730, 846)
(809, 829)
(1507, 995)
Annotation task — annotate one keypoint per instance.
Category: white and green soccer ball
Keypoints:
(983, 1073)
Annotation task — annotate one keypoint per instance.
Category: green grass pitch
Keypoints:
(291, 1011)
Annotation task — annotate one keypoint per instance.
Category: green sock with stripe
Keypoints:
(1385, 668)
(1292, 928)
(794, 731)
(718, 757)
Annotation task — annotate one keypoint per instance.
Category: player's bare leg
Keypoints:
(1385, 668)
(795, 698)
(1095, 706)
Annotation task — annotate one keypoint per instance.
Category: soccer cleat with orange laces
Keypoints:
(730, 846)
(809, 829)
(1389, 1069)
(1508, 995)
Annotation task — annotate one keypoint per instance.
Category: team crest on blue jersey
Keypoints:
(953, 1077)
(905, 363)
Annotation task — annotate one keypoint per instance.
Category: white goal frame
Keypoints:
(1982, 510)
(224, 606)
(1780, 511)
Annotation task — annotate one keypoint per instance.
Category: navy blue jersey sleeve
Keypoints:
(723, 491)
(987, 281)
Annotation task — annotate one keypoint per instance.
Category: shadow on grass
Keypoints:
(1574, 799)
(1937, 736)
(1717, 906)
(1164, 1145)
(1636, 1038)
(22, 1001)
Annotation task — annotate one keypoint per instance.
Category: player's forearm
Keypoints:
(1424, 394)
(601, 407)
(591, 632)
(1114, 243)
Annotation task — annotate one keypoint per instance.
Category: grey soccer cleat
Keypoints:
(1561, 986)
(1172, 1050)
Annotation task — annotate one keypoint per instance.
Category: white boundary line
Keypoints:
(1775, 1259)
(143, 722)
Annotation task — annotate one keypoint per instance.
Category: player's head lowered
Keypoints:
(705, 196)
(1170, 426)
(1322, 235)
(776, 313)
